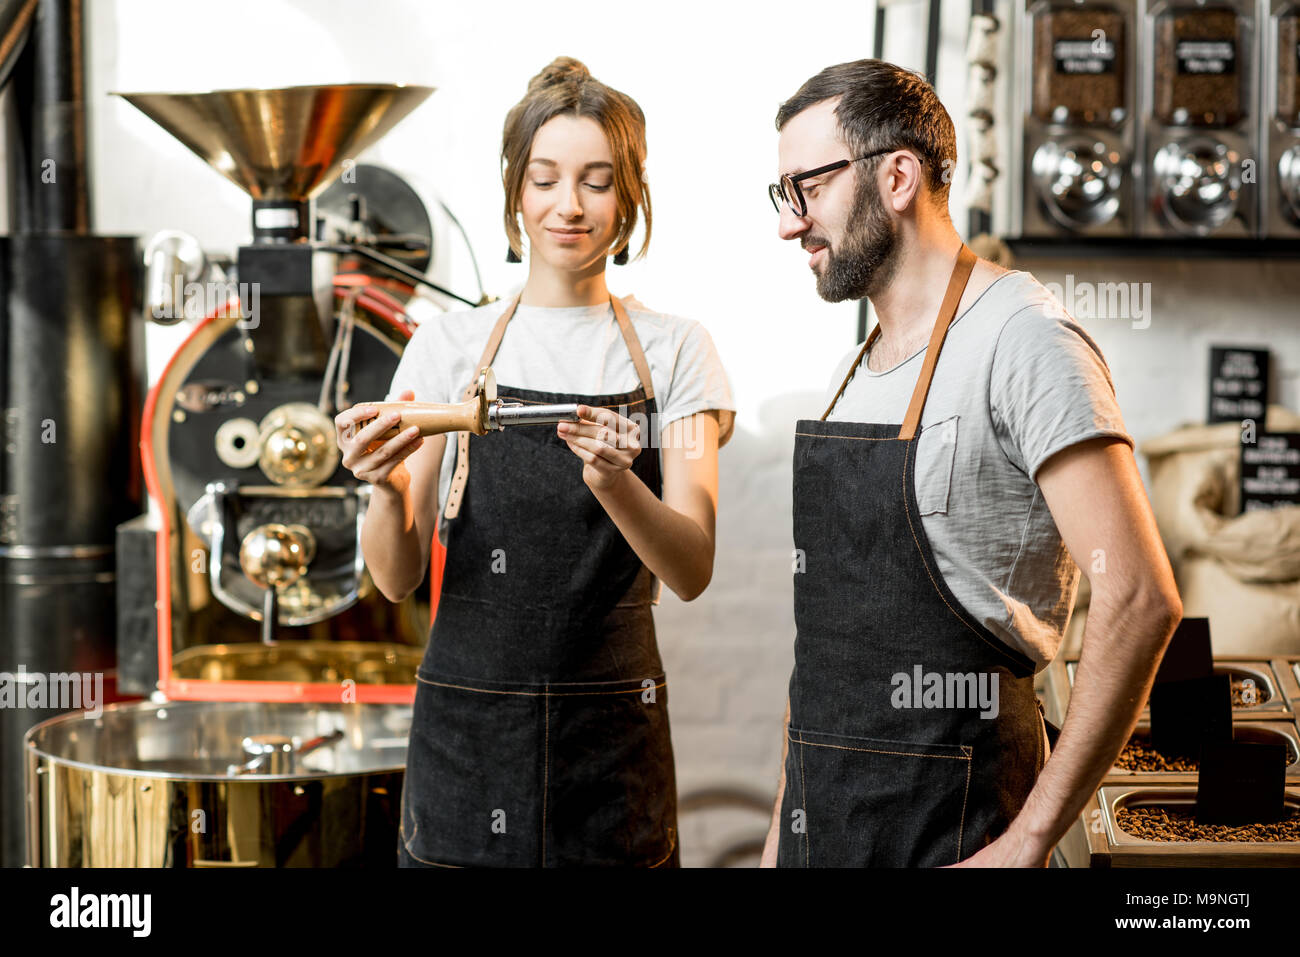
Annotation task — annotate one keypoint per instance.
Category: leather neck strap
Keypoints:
(460, 477)
(947, 312)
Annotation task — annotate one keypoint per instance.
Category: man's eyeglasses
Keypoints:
(788, 187)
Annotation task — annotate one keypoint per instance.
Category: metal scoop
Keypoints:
(481, 414)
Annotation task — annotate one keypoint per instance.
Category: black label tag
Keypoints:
(1238, 384)
(1241, 783)
(1215, 57)
(1187, 715)
(1083, 55)
(1270, 471)
(1189, 654)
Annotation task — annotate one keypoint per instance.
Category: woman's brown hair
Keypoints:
(565, 87)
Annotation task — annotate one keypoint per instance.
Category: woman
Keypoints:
(540, 734)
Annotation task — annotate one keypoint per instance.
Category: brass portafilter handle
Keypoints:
(432, 418)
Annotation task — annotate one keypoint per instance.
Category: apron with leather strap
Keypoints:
(899, 754)
(540, 732)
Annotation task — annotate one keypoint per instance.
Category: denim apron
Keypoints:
(540, 733)
(889, 761)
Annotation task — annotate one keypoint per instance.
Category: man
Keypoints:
(973, 457)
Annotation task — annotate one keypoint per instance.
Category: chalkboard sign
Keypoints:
(1188, 715)
(1241, 783)
(1188, 654)
(1238, 384)
(1270, 471)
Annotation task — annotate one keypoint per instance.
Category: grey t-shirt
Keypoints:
(1017, 381)
(575, 349)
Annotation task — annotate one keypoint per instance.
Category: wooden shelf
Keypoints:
(1152, 247)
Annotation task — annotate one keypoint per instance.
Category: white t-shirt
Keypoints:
(1017, 381)
(575, 349)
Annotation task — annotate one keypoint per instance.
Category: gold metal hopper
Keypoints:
(281, 144)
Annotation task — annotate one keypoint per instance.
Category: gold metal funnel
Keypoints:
(283, 144)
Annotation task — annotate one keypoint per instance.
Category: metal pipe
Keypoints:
(401, 269)
(51, 179)
(71, 389)
(502, 414)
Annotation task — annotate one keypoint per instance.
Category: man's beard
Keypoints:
(868, 256)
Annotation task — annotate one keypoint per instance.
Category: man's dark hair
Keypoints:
(883, 106)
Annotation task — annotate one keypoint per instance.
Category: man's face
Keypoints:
(849, 235)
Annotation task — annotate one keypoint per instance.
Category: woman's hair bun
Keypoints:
(562, 69)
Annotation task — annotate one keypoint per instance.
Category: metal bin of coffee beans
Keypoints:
(1143, 826)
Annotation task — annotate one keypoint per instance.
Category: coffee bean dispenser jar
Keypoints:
(1280, 128)
(1079, 122)
(1200, 99)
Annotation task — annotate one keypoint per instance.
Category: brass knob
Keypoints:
(298, 447)
(274, 555)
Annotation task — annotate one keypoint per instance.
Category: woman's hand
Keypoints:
(671, 531)
(371, 459)
(607, 443)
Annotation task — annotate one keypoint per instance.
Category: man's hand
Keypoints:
(1012, 849)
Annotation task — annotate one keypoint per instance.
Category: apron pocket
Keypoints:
(936, 450)
(873, 802)
(611, 792)
(472, 794)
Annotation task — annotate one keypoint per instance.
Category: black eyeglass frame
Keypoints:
(776, 192)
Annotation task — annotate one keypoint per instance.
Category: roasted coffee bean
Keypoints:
(1259, 692)
(1192, 86)
(1078, 73)
(1138, 755)
(1165, 823)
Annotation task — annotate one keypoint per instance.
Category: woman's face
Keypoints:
(569, 204)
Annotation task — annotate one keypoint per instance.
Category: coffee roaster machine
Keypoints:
(280, 679)
(260, 524)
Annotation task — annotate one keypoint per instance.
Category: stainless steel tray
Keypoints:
(1274, 706)
(1113, 845)
(1264, 732)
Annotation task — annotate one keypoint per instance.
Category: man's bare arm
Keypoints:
(1096, 497)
